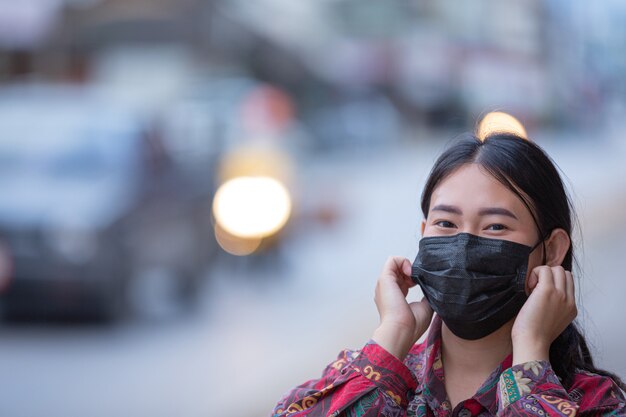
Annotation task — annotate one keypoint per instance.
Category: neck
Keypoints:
(478, 357)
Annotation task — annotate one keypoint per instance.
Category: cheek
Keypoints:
(427, 232)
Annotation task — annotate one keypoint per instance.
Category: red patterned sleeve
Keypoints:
(532, 389)
(371, 380)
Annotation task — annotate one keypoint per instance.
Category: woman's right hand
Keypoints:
(401, 322)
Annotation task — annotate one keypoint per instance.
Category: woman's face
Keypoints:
(470, 200)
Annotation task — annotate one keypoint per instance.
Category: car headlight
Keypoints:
(77, 246)
(252, 207)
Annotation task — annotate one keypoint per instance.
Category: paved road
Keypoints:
(261, 330)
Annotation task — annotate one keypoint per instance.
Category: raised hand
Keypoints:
(401, 322)
(550, 307)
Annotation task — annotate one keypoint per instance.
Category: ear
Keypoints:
(423, 226)
(557, 246)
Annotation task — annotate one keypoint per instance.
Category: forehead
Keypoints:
(470, 187)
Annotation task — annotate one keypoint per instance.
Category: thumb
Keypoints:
(406, 267)
(531, 282)
(423, 312)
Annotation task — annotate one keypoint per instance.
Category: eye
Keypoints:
(496, 227)
(444, 223)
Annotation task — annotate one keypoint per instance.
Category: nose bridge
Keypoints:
(469, 226)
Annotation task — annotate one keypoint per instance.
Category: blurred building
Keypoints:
(438, 63)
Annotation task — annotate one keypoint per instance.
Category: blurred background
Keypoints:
(197, 196)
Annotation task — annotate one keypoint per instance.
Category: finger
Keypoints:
(422, 305)
(400, 268)
(389, 264)
(390, 270)
(531, 281)
(571, 293)
(406, 283)
(393, 276)
(424, 300)
(421, 309)
(558, 275)
(406, 267)
(539, 274)
(570, 286)
(544, 277)
(394, 265)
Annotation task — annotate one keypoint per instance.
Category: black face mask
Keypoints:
(474, 284)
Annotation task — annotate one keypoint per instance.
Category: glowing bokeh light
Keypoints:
(252, 207)
(236, 245)
(500, 122)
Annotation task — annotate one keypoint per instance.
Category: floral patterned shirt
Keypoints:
(372, 382)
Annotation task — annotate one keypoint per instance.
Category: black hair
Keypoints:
(525, 169)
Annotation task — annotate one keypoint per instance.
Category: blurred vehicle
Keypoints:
(91, 205)
(248, 122)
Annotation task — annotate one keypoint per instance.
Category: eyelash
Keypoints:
(439, 223)
(449, 224)
(503, 227)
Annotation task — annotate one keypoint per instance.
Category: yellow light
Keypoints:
(255, 161)
(252, 207)
(236, 245)
(500, 122)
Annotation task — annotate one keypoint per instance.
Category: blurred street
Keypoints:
(261, 329)
(197, 196)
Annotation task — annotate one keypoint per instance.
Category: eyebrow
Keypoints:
(482, 212)
(498, 211)
(447, 208)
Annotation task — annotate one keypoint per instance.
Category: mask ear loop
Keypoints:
(543, 248)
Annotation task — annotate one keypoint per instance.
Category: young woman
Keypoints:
(494, 264)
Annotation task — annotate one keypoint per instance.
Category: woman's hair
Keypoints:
(526, 170)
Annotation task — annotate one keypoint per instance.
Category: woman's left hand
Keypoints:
(549, 309)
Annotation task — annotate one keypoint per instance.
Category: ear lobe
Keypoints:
(557, 246)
